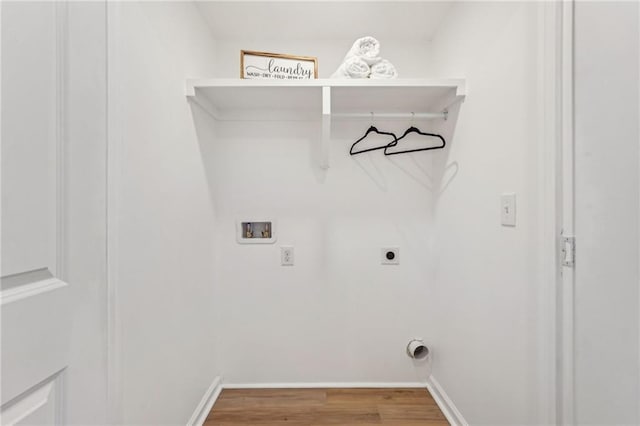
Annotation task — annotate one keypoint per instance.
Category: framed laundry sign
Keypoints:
(277, 66)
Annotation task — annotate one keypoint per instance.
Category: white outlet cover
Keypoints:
(286, 256)
(390, 252)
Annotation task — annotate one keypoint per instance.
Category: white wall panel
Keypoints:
(39, 406)
(29, 105)
(486, 292)
(35, 337)
(162, 253)
(337, 315)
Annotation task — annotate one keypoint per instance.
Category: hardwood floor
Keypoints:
(310, 407)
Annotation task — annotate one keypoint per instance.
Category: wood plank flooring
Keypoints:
(310, 407)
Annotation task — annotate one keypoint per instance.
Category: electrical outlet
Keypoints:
(390, 256)
(286, 256)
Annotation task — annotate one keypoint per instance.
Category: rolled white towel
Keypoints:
(383, 69)
(353, 67)
(367, 48)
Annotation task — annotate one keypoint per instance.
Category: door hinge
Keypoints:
(568, 251)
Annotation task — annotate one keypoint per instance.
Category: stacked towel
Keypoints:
(353, 67)
(383, 69)
(363, 61)
(367, 49)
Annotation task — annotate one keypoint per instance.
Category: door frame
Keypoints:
(567, 215)
(555, 212)
(565, 212)
(115, 402)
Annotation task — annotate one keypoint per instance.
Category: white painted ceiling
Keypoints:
(323, 20)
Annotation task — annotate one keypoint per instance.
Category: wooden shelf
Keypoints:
(323, 99)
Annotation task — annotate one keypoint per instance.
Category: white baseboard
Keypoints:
(206, 403)
(316, 385)
(448, 408)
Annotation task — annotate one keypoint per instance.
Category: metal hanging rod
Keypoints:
(374, 115)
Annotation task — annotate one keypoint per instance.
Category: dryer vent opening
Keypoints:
(416, 349)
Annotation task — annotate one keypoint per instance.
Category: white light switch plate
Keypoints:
(508, 209)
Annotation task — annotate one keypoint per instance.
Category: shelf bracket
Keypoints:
(326, 127)
(204, 104)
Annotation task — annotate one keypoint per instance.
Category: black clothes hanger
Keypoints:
(413, 129)
(373, 129)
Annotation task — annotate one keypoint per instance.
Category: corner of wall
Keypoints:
(446, 404)
(206, 403)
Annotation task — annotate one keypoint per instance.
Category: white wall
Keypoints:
(338, 315)
(325, 30)
(162, 217)
(606, 218)
(485, 290)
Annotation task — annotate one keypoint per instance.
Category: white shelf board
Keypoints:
(256, 100)
(192, 84)
(387, 99)
(321, 99)
(237, 99)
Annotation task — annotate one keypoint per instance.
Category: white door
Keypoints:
(605, 197)
(54, 293)
(35, 301)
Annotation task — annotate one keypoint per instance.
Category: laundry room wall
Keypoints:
(161, 218)
(487, 282)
